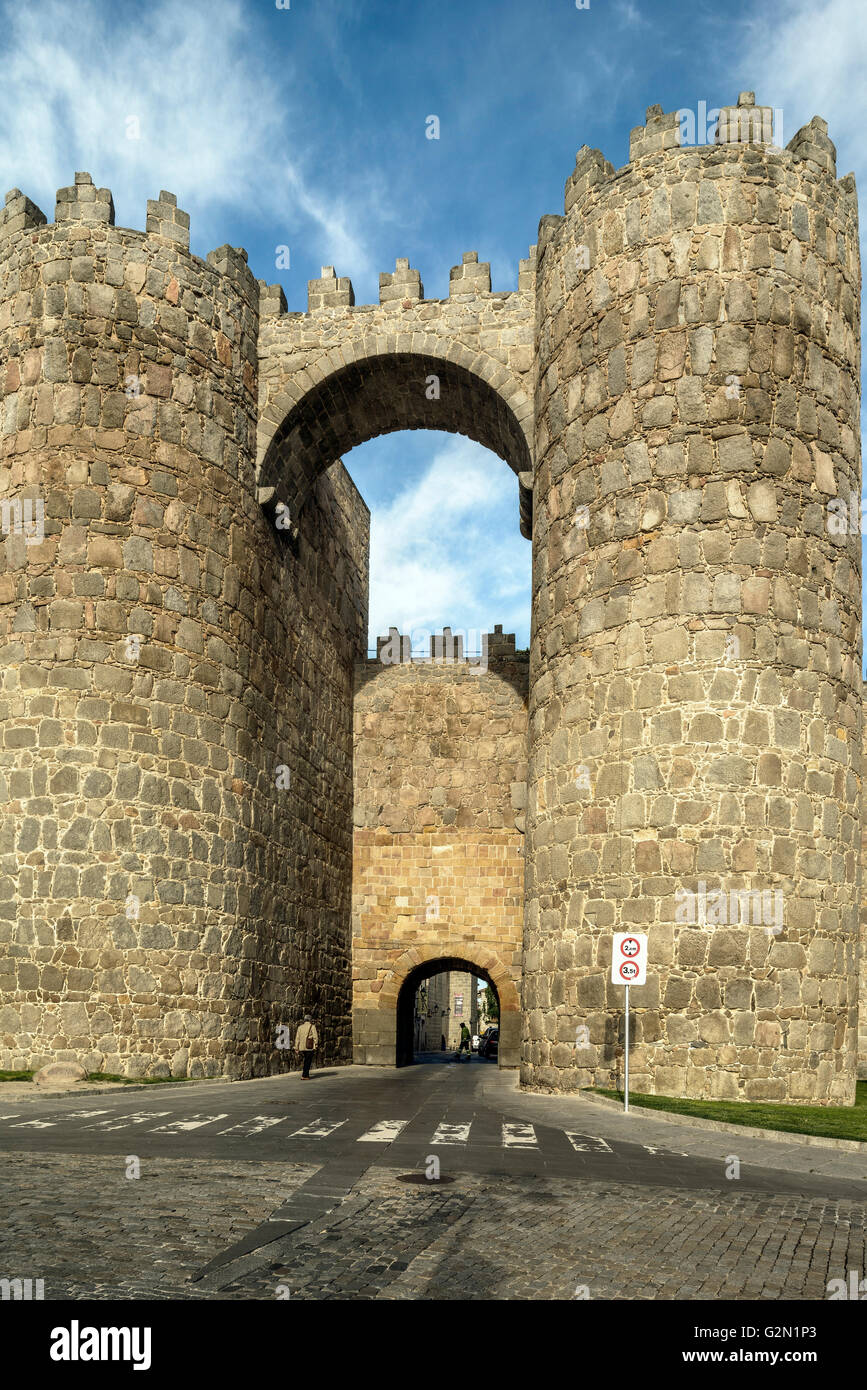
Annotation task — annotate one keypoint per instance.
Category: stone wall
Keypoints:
(862, 1061)
(440, 767)
(175, 676)
(696, 713)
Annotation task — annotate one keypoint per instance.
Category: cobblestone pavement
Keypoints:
(534, 1238)
(91, 1233)
(271, 1190)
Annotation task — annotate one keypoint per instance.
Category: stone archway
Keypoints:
(378, 385)
(330, 380)
(378, 1035)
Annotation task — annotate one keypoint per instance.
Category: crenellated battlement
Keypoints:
(166, 219)
(710, 135)
(82, 207)
(82, 202)
(404, 284)
(402, 287)
(449, 647)
(19, 214)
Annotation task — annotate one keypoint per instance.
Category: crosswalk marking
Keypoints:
(317, 1129)
(255, 1125)
(451, 1134)
(194, 1122)
(49, 1124)
(127, 1121)
(517, 1136)
(80, 1114)
(383, 1132)
(587, 1143)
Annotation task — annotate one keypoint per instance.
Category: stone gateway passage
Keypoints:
(219, 814)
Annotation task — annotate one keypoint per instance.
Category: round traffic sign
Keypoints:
(628, 970)
(630, 946)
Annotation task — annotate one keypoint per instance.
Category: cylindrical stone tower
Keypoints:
(175, 684)
(695, 684)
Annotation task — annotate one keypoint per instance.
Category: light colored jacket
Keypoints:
(301, 1036)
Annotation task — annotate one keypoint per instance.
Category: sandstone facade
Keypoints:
(443, 1003)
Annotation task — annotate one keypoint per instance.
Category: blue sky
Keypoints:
(305, 127)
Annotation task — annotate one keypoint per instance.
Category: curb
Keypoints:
(114, 1089)
(126, 1088)
(818, 1141)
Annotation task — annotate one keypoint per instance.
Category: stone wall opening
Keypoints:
(404, 1012)
(381, 394)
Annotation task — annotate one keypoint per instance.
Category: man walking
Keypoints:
(306, 1042)
(465, 1043)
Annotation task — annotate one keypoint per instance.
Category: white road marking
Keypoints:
(127, 1121)
(8, 1117)
(182, 1126)
(517, 1136)
(664, 1153)
(588, 1143)
(255, 1125)
(317, 1129)
(451, 1134)
(49, 1124)
(383, 1132)
(81, 1114)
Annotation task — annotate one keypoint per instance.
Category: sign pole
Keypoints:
(626, 1077)
(628, 966)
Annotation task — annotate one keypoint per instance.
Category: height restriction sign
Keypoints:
(628, 967)
(629, 959)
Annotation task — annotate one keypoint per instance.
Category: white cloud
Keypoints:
(808, 58)
(447, 551)
(214, 118)
(628, 13)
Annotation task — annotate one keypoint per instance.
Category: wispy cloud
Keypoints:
(808, 57)
(628, 13)
(446, 548)
(171, 95)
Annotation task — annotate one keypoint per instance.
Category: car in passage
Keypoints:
(475, 1042)
(490, 1043)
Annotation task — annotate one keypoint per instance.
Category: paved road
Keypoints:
(239, 1181)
